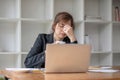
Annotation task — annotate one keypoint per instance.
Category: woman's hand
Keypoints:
(69, 32)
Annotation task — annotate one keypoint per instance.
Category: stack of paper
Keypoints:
(24, 69)
(103, 69)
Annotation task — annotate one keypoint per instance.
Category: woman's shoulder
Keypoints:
(45, 35)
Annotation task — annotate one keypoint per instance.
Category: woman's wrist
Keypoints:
(72, 39)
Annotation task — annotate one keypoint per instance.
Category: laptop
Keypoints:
(67, 58)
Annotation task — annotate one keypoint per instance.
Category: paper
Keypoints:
(23, 69)
(106, 67)
(42, 69)
(104, 70)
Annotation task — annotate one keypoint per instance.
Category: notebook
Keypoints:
(67, 58)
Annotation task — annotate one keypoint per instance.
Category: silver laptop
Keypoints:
(67, 58)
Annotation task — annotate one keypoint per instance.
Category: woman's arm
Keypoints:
(36, 56)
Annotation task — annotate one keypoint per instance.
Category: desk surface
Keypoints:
(61, 76)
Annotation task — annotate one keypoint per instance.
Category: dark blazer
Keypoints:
(36, 56)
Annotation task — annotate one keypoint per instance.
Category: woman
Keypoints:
(62, 27)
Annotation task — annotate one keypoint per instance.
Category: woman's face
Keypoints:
(59, 29)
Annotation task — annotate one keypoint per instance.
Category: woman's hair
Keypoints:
(62, 16)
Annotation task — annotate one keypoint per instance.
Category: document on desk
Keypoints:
(27, 70)
(103, 69)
